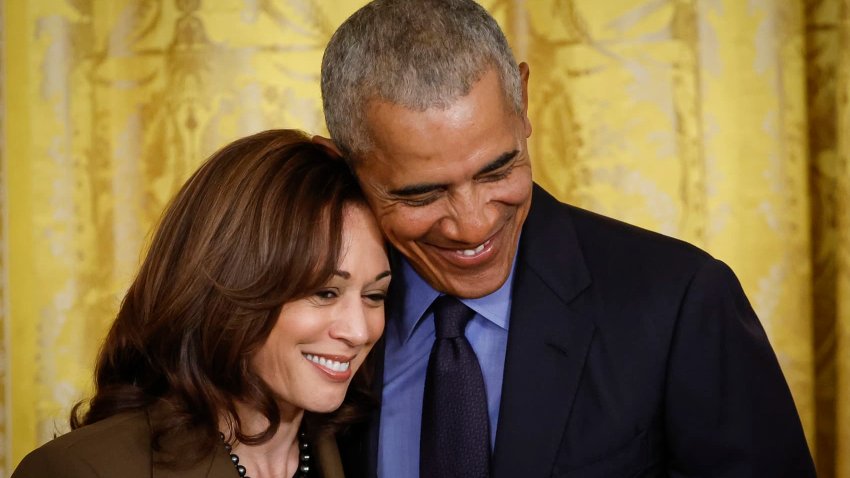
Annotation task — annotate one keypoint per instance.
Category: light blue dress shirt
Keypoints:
(408, 347)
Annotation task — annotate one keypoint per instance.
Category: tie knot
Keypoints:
(450, 317)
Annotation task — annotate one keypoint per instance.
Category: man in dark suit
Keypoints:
(604, 350)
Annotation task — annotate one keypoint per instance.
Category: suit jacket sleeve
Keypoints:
(729, 411)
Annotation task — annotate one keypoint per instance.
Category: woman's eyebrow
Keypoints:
(344, 274)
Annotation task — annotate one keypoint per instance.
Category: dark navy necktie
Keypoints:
(455, 439)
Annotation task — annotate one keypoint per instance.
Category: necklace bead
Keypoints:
(303, 457)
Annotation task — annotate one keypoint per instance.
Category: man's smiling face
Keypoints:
(451, 187)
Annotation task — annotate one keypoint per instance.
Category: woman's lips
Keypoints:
(335, 367)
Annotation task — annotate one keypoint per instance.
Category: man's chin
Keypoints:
(471, 287)
(469, 282)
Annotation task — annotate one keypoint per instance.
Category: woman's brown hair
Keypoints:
(258, 225)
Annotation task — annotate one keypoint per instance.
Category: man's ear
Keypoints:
(328, 145)
(524, 73)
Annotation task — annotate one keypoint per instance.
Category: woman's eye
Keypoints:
(326, 294)
(375, 297)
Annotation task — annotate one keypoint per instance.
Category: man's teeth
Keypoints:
(471, 252)
(329, 364)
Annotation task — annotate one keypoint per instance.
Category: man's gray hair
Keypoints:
(418, 54)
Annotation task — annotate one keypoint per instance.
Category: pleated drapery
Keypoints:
(722, 122)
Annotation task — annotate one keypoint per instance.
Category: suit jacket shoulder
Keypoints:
(116, 446)
(120, 446)
(635, 354)
(604, 250)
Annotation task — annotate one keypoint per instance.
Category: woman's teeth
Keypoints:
(471, 252)
(329, 364)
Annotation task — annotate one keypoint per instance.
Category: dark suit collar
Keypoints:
(550, 333)
(551, 248)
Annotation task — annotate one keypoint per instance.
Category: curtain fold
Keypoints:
(828, 80)
(722, 122)
(3, 254)
(841, 354)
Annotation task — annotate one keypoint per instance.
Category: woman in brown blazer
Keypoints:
(234, 348)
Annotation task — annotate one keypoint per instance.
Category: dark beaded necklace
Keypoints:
(303, 457)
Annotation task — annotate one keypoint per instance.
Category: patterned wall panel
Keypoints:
(688, 117)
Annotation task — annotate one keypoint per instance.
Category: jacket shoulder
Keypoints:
(620, 240)
(110, 447)
(572, 249)
(605, 241)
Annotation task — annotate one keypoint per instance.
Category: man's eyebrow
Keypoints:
(419, 189)
(416, 189)
(498, 163)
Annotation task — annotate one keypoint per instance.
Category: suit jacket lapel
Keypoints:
(550, 333)
(216, 466)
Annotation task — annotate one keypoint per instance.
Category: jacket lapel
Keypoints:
(216, 466)
(550, 333)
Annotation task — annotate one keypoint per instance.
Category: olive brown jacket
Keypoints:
(120, 446)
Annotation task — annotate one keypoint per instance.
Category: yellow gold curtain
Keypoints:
(723, 122)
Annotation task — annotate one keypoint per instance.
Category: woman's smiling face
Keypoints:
(319, 342)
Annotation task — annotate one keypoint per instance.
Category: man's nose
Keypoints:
(469, 218)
